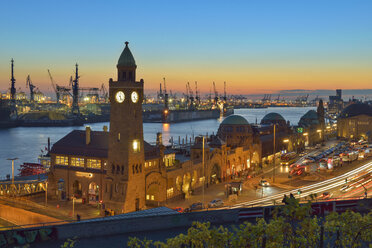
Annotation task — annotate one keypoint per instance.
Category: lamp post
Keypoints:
(46, 193)
(12, 159)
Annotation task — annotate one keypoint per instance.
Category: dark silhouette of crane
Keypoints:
(12, 87)
(191, 96)
(31, 87)
(224, 92)
(197, 96)
(59, 90)
(75, 92)
(165, 95)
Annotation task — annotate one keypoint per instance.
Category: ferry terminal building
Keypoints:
(118, 168)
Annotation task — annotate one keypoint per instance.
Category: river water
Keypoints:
(26, 143)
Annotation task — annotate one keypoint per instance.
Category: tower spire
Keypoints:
(12, 88)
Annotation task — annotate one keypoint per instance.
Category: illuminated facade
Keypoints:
(125, 173)
(355, 122)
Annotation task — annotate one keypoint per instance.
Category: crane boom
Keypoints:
(31, 87)
(215, 93)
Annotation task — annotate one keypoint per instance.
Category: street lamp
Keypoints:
(12, 159)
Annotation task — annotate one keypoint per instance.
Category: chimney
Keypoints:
(48, 144)
(105, 128)
(159, 139)
(87, 135)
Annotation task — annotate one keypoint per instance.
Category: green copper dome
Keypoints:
(235, 120)
(272, 118)
(126, 57)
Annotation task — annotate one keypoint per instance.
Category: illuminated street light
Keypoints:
(286, 141)
(318, 131)
(305, 134)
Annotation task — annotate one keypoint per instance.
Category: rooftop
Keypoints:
(356, 109)
(126, 57)
(235, 120)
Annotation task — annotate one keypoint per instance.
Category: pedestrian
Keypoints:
(77, 217)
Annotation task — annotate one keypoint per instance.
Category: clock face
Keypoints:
(120, 96)
(134, 97)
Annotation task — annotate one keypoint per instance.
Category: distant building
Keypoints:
(355, 122)
(336, 103)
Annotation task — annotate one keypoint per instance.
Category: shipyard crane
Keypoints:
(215, 94)
(224, 91)
(187, 95)
(55, 87)
(191, 95)
(197, 97)
(75, 92)
(12, 87)
(165, 95)
(31, 87)
(103, 93)
(59, 90)
(160, 94)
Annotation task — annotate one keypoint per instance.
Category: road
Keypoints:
(362, 174)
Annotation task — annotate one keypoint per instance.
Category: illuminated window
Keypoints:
(169, 192)
(150, 164)
(146, 164)
(152, 198)
(147, 197)
(136, 145)
(94, 163)
(79, 162)
(61, 160)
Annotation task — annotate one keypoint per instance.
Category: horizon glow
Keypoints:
(256, 47)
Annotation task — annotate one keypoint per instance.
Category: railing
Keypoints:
(43, 224)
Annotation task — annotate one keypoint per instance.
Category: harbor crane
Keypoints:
(165, 95)
(215, 94)
(191, 95)
(59, 90)
(31, 87)
(224, 91)
(103, 93)
(197, 97)
(75, 92)
(12, 87)
(187, 95)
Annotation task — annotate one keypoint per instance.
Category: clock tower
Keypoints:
(125, 182)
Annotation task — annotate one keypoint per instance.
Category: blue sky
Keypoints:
(257, 46)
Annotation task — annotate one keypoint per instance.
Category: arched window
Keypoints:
(122, 170)
(117, 169)
(112, 169)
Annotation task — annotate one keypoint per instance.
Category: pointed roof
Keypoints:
(126, 57)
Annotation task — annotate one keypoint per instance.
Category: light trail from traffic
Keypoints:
(315, 188)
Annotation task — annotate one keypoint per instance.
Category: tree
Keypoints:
(292, 225)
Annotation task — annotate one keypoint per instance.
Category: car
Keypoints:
(215, 203)
(196, 206)
(326, 195)
(179, 209)
(264, 183)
